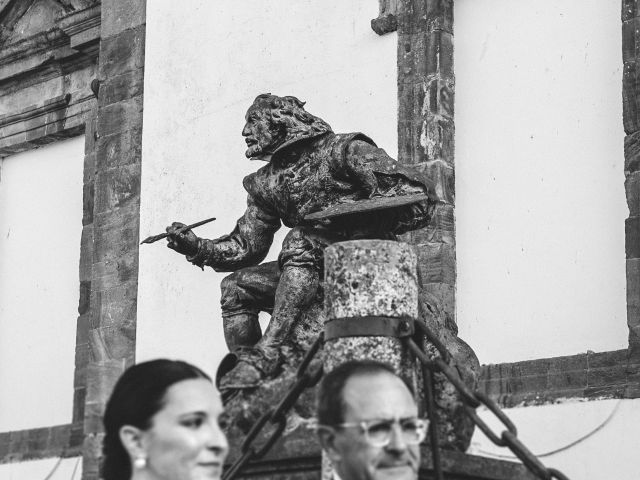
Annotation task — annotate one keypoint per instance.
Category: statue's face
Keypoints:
(261, 135)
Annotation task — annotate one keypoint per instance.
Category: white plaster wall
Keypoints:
(610, 449)
(40, 228)
(204, 65)
(47, 469)
(539, 177)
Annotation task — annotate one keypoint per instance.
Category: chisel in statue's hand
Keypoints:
(186, 228)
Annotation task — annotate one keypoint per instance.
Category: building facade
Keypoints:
(119, 117)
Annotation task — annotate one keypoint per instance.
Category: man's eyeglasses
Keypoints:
(377, 432)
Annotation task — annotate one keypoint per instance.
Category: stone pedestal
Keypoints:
(367, 280)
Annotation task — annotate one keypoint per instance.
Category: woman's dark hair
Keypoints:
(137, 396)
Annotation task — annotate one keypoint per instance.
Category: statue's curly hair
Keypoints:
(289, 114)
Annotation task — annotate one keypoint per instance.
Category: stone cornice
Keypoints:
(586, 376)
(59, 117)
(83, 29)
(68, 46)
(32, 112)
(28, 47)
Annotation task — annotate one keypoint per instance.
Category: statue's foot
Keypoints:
(251, 367)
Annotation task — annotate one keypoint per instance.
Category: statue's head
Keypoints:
(273, 120)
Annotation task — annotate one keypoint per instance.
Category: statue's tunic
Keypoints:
(307, 175)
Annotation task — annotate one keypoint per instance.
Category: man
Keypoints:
(309, 169)
(368, 423)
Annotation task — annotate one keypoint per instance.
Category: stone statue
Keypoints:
(309, 169)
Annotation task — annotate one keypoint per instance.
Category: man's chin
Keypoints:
(400, 472)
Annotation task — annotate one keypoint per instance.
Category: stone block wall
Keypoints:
(631, 118)
(426, 132)
(114, 194)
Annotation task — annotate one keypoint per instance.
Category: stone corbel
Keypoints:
(387, 20)
(83, 29)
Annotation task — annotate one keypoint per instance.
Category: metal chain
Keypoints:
(277, 416)
(473, 399)
(446, 365)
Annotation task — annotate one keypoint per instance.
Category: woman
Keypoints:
(161, 423)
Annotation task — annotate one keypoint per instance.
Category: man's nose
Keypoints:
(396, 440)
(246, 130)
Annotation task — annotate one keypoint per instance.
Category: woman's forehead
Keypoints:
(196, 394)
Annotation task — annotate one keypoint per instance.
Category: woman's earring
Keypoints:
(140, 463)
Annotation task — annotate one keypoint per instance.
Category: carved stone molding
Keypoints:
(83, 29)
(70, 43)
(34, 126)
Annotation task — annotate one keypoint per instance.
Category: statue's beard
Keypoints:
(261, 149)
(254, 150)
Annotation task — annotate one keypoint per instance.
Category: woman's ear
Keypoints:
(132, 439)
(327, 437)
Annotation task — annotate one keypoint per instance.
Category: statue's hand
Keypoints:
(185, 243)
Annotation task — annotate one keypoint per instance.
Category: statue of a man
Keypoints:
(309, 168)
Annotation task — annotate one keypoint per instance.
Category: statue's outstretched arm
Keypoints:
(247, 245)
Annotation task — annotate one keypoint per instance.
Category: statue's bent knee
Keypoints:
(303, 247)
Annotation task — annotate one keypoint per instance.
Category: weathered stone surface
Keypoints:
(83, 28)
(115, 214)
(629, 9)
(412, 17)
(119, 149)
(86, 253)
(446, 295)
(36, 443)
(370, 278)
(39, 125)
(122, 53)
(542, 381)
(379, 278)
(88, 197)
(630, 96)
(632, 237)
(122, 87)
(91, 452)
(118, 16)
(632, 188)
(633, 300)
(629, 40)
(439, 61)
(441, 229)
(101, 377)
(119, 117)
(437, 263)
(387, 20)
(27, 18)
(91, 126)
(113, 272)
(117, 188)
